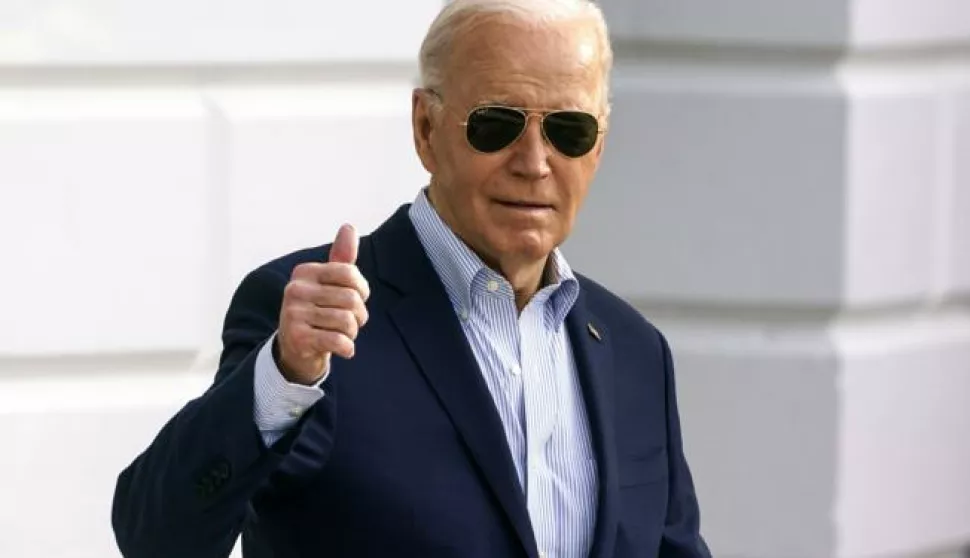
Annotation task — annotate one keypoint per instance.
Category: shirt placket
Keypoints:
(496, 318)
(541, 399)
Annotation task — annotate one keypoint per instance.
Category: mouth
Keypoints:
(522, 205)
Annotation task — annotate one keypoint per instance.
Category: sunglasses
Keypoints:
(492, 128)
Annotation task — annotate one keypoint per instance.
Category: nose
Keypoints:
(531, 157)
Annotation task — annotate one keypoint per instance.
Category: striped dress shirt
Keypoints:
(527, 363)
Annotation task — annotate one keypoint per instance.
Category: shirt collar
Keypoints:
(461, 270)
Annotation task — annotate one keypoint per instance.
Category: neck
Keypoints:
(526, 279)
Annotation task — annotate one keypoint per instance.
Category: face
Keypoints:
(514, 206)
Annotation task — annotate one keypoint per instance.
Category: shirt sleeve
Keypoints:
(277, 403)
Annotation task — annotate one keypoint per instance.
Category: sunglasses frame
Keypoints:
(527, 113)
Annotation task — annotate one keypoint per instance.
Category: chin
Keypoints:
(532, 245)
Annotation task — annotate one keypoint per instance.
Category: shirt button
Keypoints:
(463, 314)
(296, 412)
(492, 286)
(516, 370)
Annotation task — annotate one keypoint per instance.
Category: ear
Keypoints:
(422, 126)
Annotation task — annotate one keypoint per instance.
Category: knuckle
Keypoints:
(333, 342)
(355, 299)
(344, 272)
(327, 337)
(290, 289)
(299, 337)
(350, 295)
(339, 321)
(334, 297)
(303, 270)
(299, 311)
(340, 297)
(350, 323)
(360, 282)
(322, 317)
(295, 291)
(319, 341)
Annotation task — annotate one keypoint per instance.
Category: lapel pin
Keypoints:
(594, 332)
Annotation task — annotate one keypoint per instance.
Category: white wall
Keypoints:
(792, 177)
(793, 180)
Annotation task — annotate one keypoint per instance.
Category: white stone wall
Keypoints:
(786, 192)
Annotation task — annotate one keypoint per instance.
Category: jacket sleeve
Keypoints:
(681, 538)
(188, 493)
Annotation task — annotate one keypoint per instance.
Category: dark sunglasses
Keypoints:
(492, 128)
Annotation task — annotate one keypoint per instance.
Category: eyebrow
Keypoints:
(505, 102)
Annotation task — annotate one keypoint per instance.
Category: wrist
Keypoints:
(291, 375)
(278, 359)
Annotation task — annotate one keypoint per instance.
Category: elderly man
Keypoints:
(485, 401)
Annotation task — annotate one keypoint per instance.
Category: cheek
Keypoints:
(574, 180)
(468, 177)
(477, 172)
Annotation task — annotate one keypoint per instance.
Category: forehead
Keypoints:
(504, 61)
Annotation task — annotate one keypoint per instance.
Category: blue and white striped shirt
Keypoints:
(527, 362)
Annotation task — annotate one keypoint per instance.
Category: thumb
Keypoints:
(344, 248)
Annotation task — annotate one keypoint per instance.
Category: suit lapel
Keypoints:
(594, 365)
(426, 321)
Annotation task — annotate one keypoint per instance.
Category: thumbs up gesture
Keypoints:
(322, 311)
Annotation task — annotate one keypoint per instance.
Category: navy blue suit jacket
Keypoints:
(405, 455)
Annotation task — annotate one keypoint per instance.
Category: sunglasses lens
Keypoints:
(491, 129)
(572, 133)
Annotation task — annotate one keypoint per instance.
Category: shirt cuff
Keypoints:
(277, 403)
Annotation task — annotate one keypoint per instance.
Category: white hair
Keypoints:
(458, 16)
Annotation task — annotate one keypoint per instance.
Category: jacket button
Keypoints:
(212, 481)
(222, 470)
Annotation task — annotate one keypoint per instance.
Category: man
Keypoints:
(448, 386)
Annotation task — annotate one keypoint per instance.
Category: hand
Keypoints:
(322, 311)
